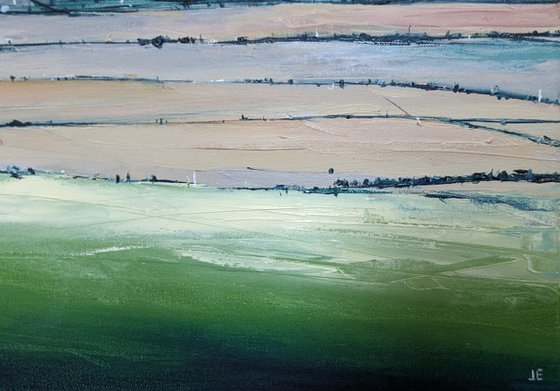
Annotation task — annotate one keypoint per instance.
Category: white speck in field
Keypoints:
(109, 250)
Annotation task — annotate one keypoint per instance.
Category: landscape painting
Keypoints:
(279, 195)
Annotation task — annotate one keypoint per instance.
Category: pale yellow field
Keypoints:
(137, 101)
(380, 147)
(204, 132)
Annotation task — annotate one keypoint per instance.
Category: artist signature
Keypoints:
(536, 375)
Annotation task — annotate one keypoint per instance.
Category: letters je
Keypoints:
(536, 375)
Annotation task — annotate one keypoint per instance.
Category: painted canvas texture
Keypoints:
(284, 195)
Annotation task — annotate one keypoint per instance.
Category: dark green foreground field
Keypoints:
(88, 308)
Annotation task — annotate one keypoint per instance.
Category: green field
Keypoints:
(156, 287)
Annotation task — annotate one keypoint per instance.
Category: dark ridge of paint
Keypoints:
(13, 46)
(375, 186)
(154, 179)
(136, 79)
(430, 86)
(538, 140)
(341, 83)
(162, 121)
(363, 38)
(394, 39)
(342, 186)
(518, 175)
(20, 124)
(17, 124)
(391, 39)
(18, 173)
(51, 9)
(509, 121)
(520, 203)
(84, 8)
(544, 140)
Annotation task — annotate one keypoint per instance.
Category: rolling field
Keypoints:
(140, 249)
(176, 287)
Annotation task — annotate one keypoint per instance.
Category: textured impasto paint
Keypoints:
(206, 195)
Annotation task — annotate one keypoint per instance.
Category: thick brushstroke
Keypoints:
(360, 38)
(341, 83)
(545, 140)
(518, 175)
(343, 186)
(87, 7)
(518, 73)
(517, 202)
